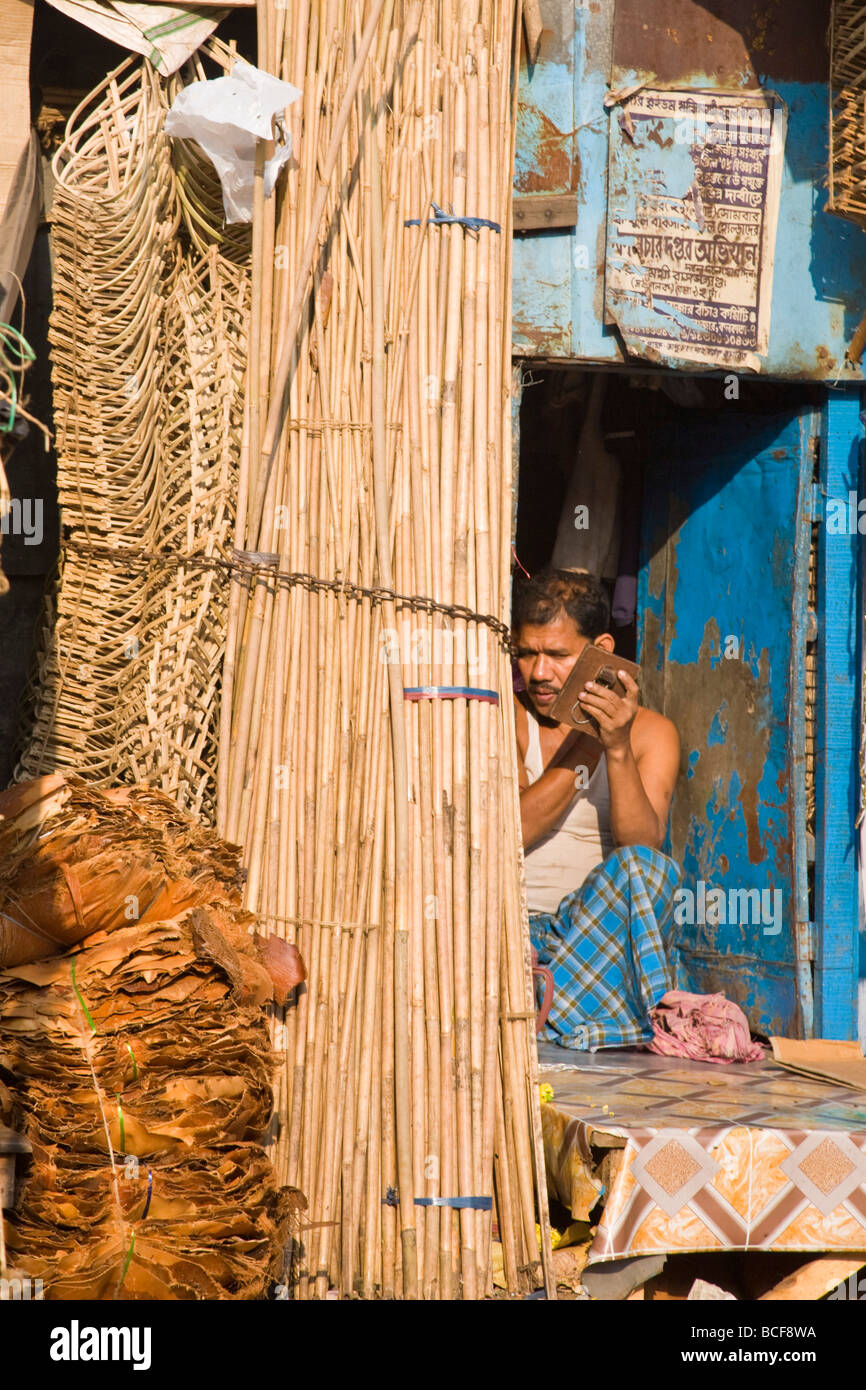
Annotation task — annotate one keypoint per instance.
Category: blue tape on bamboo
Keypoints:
(441, 218)
(450, 692)
(461, 1203)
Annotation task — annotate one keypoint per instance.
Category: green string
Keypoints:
(89, 1018)
(80, 998)
(15, 355)
(122, 1126)
(126, 1264)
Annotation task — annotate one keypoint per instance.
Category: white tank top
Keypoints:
(558, 863)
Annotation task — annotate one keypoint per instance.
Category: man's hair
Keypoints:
(551, 592)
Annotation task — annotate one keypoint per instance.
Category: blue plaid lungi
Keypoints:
(608, 946)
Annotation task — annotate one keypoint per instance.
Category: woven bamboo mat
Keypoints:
(148, 345)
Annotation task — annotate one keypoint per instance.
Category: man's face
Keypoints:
(545, 655)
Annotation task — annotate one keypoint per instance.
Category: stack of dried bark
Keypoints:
(140, 1060)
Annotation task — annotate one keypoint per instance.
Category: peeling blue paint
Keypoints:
(729, 583)
(718, 729)
(820, 260)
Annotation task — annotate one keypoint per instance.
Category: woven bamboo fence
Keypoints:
(366, 754)
(847, 171)
(148, 343)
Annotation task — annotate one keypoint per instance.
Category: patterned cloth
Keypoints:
(608, 946)
(716, 1158)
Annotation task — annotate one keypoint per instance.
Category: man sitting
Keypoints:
(594, 814)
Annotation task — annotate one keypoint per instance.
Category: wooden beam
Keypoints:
(11, 1142)
(541, 211)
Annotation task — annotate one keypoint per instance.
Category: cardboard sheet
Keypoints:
(140, 1063)
(827, 1059)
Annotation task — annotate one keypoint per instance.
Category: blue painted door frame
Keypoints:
(723, 625)
(564, 134)
(808, 982)
(838, 717)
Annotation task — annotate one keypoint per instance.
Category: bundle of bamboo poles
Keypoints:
(379, 818)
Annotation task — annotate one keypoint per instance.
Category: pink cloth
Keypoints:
(702, 1027)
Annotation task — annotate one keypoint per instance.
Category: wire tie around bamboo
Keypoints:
(440, 218)
(315, 922)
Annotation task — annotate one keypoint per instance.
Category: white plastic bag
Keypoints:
(226, 116)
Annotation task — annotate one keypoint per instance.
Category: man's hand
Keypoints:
(614, 714)
(642, 762)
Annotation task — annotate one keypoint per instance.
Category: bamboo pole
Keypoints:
(380, 833)
(293, 318)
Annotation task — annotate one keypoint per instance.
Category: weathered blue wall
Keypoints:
(722, 603)
(820, 267)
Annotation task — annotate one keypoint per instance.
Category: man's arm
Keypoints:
(641, 787)
(546, 800)
(642, 764)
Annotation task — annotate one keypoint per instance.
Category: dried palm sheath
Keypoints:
(847, 167)
(148, 335)
(139, 1062)
(77, 860)
(381, 832)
